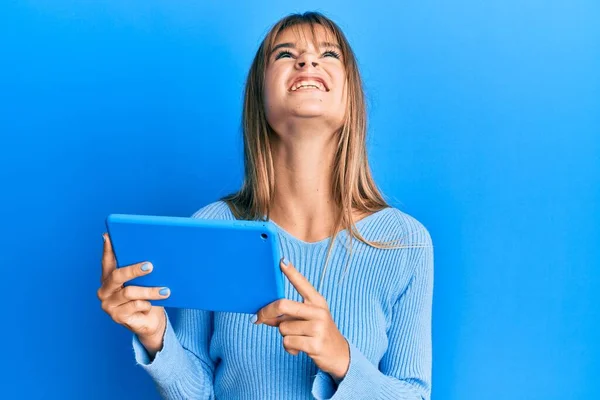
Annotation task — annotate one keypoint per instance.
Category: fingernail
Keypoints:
(103, 238)
(285, 261)
(164, 291)
(146, 266)
(254, 318)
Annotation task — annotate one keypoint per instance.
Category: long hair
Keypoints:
(353, 187)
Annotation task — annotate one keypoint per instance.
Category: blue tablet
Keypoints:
(216, 265)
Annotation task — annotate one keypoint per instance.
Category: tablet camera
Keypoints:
(264, 236)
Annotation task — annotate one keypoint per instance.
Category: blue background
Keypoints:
(484, 125)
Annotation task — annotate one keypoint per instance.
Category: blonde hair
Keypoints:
(353, 187)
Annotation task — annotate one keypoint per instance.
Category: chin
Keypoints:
(306, 112)
(310, 108)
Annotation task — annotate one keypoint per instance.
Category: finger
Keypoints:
(132, 293)
(295, 344)
(109, 263)
(125, 311)
(278, 320)
(302, 285)
(298, 328)
(124, 274)
(290, 308)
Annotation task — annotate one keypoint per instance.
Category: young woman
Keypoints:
(364, 332)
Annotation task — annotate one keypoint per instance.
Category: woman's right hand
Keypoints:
(129, 305)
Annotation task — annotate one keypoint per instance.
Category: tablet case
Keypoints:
(216, 265)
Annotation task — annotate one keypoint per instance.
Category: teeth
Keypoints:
(307, 84)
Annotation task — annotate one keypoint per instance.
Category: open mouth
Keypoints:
(308, 85)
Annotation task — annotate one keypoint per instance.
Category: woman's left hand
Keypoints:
(308, 326)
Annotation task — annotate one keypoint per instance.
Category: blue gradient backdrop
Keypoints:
(484, 124)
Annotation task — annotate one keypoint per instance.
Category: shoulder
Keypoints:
(417, 247)
(415, 232)
(215, 210)
(403, 227)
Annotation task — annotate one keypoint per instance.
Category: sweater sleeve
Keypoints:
(182, 369)
(404, 372)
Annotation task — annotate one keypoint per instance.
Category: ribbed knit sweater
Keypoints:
(382, 306)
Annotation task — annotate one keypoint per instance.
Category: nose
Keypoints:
(306, 58)
(302, 64)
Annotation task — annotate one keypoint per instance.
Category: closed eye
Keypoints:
(333, 53)
(283, 53)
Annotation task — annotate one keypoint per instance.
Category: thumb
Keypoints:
(109, 263)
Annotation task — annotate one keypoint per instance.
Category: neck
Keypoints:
(303, 202)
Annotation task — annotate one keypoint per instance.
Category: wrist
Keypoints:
(337, 376)
(153, 342)
(336, 379)
(152, 346)
(339, 373)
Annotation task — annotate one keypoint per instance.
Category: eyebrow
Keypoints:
(293, 46)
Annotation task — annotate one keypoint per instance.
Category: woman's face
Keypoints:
(304, 84)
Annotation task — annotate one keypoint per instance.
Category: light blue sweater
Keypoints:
(382, 307)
